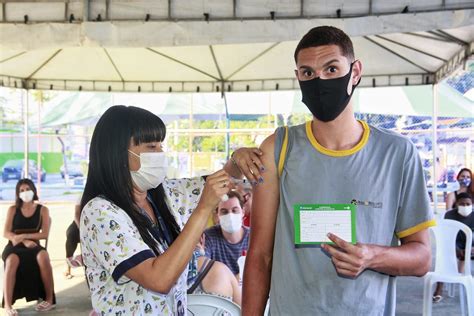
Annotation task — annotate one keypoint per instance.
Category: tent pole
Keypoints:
(435, 147)
(26, 149)
(227, 122)
(38, 172)
(190, 138)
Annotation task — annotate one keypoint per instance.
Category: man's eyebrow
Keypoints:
(330, 62)
(325, 64)
(305, 67)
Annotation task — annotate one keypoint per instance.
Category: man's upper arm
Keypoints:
(265, 202)
(422, 237)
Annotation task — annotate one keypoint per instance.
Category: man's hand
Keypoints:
(349, 260)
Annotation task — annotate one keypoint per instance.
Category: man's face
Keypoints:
(326, 62)
(464, 202)
(232, 205)
(247, 197)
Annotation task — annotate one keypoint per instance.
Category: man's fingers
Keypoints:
(338, 254)
(347, 273)
(341, 243)
(344, 265)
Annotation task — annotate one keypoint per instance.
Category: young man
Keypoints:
(335, 159)
(461, 213)
(226, 241)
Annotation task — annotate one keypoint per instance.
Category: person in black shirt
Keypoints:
(461, 213)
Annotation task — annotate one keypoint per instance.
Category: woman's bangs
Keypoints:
(148, 128)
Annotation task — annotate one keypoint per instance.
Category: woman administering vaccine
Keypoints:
(138, 229)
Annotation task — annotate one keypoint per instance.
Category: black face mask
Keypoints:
(327, 98)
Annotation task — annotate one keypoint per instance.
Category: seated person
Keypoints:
(226, 241)
(72, 240)
(461, 213)
(213, 278)
(28, 271)
(465, 186)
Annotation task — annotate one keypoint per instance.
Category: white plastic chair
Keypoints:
(211, 305)
(446, 268)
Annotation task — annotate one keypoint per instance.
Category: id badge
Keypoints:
(312, 223)
(179, 302)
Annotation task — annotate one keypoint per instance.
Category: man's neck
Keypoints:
(343, 133)
(234, 238)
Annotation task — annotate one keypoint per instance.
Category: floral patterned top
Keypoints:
(111, 245)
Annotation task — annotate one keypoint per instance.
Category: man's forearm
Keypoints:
(256, 284)
(410, 259)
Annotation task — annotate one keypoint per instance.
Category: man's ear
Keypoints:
(356, 72)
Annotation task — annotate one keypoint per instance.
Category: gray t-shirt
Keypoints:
(383, 176)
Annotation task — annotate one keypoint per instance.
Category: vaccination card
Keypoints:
(314, 221)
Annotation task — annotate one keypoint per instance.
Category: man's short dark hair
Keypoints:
(463, 195)
(326, 35)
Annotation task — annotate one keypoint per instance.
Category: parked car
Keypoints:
(74, 169)
(14, 169)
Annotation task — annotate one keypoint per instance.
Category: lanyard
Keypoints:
(161, 222)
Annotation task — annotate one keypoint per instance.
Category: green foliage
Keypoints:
(50, 161)
(216, 143)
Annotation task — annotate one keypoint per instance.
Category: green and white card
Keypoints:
(314, 221)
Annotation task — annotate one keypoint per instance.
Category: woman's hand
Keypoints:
(217, 185)
(18, 239)
(249, 163)
(29, 243)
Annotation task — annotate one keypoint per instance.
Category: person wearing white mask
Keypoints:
(464, 179)
(138, 229)
(28, 271)
(461, 213)
(226, 241)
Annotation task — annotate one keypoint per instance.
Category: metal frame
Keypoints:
(235, 17)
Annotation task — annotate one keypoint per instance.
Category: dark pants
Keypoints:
(72, 239)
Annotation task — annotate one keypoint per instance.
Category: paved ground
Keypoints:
(72, 295)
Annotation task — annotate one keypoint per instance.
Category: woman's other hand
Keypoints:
(217, 185)
(17, 239)
(29, 243)
(249, 163)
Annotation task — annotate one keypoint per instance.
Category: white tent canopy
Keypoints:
(216, 45)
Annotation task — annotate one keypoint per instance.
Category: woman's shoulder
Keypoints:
(100, 206)
(183, 183)
(43, 208)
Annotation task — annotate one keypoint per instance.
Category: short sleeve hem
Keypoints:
(415, 229)
(131, 262)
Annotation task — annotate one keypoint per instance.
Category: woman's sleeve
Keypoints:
(113, 239)
(183, 196)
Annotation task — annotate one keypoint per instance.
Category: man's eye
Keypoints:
(308, 73)
(332, 69)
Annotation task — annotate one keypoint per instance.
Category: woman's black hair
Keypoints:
(109, 173)
(18, 201)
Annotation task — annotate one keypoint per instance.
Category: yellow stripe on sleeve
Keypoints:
(415, 229)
